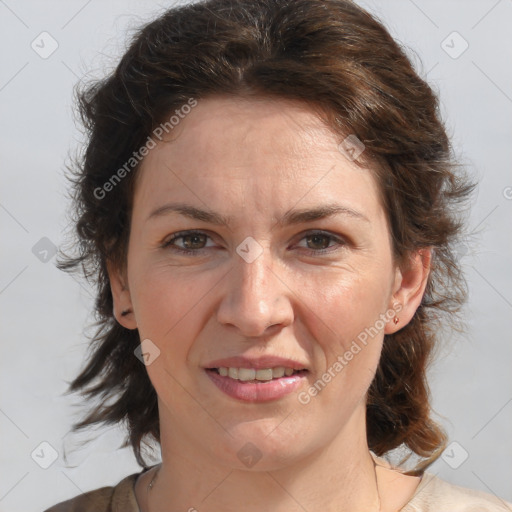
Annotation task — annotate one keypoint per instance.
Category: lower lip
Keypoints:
(257, 392)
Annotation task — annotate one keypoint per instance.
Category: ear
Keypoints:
(123, 308)
(408, 289)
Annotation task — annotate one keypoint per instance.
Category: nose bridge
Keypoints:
(254, 297)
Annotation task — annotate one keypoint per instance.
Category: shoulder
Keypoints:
(118, 498)
(436, 495)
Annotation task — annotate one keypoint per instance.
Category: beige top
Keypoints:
(432, 495)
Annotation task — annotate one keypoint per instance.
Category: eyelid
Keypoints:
(186, 232)
(339, 240)
(318, 231)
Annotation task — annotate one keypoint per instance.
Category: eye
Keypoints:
(318, 242)
(193, 242)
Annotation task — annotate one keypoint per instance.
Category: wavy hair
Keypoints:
(337, 58)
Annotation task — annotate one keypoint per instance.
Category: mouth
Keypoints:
(256, 376)
(257, 385)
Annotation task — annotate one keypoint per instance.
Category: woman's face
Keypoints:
(273, 281)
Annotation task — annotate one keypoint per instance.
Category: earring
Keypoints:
(396, 320)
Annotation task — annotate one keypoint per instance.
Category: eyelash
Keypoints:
(197, 252)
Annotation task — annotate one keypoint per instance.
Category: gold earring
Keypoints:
(396, 320)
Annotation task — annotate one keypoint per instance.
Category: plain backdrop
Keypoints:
(463, 47)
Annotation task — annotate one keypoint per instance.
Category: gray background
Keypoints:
(44, 311)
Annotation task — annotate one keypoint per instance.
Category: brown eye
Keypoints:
(319, 241)
(192, 242)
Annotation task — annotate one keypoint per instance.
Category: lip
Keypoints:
(257, 392)
(256, 362)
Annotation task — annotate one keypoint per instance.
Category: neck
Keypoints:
(339, 475)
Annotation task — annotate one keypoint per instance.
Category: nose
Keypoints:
(255, 299)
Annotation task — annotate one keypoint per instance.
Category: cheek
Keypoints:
(167, 302)
(347, 306)
(170, 305)
(346, 322)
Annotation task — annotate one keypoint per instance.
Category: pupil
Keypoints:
(191, 237)
(317, 237)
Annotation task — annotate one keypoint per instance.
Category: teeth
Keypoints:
(246, 374)
(264, 374)
(278, 372)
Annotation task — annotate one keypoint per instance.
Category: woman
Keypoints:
(267, 203)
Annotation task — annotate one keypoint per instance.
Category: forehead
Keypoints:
(279, 149)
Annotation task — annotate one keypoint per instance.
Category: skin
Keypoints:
(254, 160)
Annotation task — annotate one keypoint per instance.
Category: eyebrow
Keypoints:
(289, 218)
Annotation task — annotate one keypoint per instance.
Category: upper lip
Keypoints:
(256, 362)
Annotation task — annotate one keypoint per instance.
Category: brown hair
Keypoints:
(334, 56)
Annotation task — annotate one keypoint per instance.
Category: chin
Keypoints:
(259, 448)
